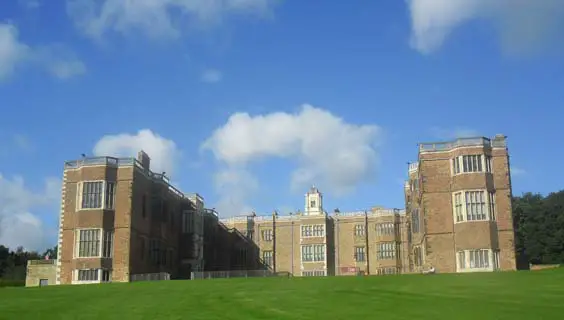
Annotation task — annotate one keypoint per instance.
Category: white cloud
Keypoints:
(12, 51)
(329, 152)
(453, 133)
(517, 172)
(58, 60)
(156, 19)
(18, 225)
(163, 152)
(211, 76)
(525, 26)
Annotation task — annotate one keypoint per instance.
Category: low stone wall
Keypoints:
(42, 272)
(544, 266)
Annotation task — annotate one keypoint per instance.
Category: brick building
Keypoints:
(120, 221)
(458, 199)
(316, 243)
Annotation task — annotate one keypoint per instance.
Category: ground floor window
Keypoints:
(314, 273)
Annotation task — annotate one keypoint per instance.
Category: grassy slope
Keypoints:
(513, 295)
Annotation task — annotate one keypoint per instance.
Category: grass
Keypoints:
(508, 295)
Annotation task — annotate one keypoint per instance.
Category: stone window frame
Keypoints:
(313, 253)
(457, 164)
(105, 203)
(464, 260)
(460, 205)
(105, 239)
(102, 276)
(312, 230)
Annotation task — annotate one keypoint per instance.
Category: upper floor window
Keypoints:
(313, 253)
(385, 229)
(386, 250)
(359, 254)
(418, 256)
(359, 230)
(187, 221)
(96, 195)
(475, 205)
(312, 204)
(91, 243)
(471, 163)
(415, 221)
(316, 230)
(267, 235)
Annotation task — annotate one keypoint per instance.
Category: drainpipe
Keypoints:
(274, 241)
(367, 242)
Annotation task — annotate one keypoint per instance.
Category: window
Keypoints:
(93, 275)
(267, 258)
(359, 254)
(88, 243)
(385, 229)
(317, 230)
(489, 164)
(312, 204)
(87, 275)
(415, 221)
(144, 206)
(491, 200)
(143, 244)
(313, 253)
(154, 251)
(475, 205)
(386, 250)
(359, 230)
(106, 275)
(385, 271)
(97, 195)
(477, 259)
(187, 221)
(418, 256)
(267, 235)
(314, 273)
(471, 163)
(107, 247)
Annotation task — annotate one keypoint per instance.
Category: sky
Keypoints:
(250, 102)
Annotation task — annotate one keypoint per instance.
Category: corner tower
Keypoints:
(313, 202)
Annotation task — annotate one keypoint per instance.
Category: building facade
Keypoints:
(458, 204)
(316, 243)
(120, 222)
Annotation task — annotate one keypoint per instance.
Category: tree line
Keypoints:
(539, 226)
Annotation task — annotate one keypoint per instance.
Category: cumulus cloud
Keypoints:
(12, 51)
(211, 76)
(163, 152)
(524, 26)
(58, 60)
(19, 226)
(517, 171)
(329, 152)
(156, 19)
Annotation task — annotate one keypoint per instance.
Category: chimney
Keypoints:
(144, 159)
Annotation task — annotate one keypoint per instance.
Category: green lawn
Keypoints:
(511, 295)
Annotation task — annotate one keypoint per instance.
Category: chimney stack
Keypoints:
(144, 159)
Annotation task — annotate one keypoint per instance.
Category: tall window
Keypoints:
(475, 205)
(97, 195)
(317, 230)
(359, 230)
(267, 258)
(313, 253)
(415, 221)
(359, 254)
(386, 250)
(108, 245)
(154, 247)
(187, 221)
(385, 229)
(143, 245)
(88, 243)
(266, 234)
(479, 259)
(417, 256)
(471, 163)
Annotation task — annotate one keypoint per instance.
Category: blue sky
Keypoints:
(248, 102)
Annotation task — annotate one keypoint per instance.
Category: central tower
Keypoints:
(313, 202)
